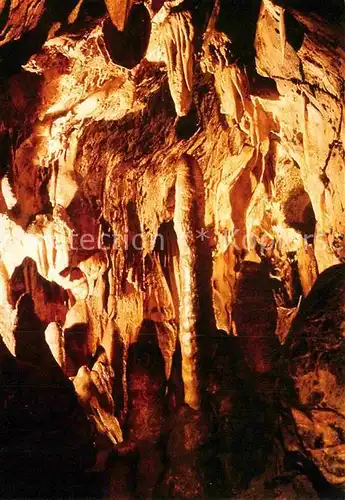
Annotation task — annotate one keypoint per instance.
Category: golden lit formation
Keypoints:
(172, 253)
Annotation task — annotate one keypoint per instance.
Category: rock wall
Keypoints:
(171, 188)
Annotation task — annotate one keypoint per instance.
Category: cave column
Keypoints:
(185, 222)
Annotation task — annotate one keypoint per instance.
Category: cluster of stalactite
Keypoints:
(164, 221)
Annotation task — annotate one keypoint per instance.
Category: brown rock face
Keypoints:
(119, 12)
(314, 349)
(171, 187)
(17, 18)
(185, 475)
(94, 389)
(127, 42)
(41, 418)
(146, 387)
(255, 317)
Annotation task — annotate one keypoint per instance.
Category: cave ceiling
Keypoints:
(172, 251)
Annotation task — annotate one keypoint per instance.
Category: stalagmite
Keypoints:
(285, 319)
(186, 227)
(94, 392)
(4, 285)
(30, 346)
(55, 339)
(177, 34)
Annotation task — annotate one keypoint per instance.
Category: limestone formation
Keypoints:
(94, 267)
(177, 34)
(55, 340)
(119, 11)
(313, 349)
(172, 248)
(277, 12)
(146, 387)
(186, 225)
(255, 317)
(94, 389)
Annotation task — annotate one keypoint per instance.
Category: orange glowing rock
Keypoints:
(119, 11)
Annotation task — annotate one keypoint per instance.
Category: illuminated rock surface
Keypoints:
(172, 237)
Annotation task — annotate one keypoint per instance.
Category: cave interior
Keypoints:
(172, 250)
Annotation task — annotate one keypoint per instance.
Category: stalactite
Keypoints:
(307, 267)
(177, 34)
(282, 31)
(220, 59)
(76, 332)
(91, 150)
(278, 14)
(158, 304)
(233, 89)
(75, 12)
(305, 118)
(119, 11)
(93, 268)
(186, 227)
(100, 298)
(111, 304)
(168, 258)
(7, 192)
(167, 336)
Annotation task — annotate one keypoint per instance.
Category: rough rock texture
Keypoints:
(314, 350)
(94, 389)
(41, 419)
(171, 186)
